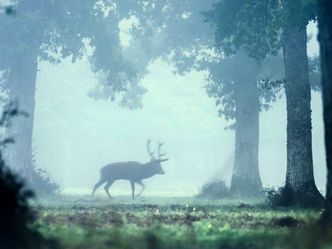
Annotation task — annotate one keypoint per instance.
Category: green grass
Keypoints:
(168, 223)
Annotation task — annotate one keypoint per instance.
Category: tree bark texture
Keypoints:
(300, 184)
(325, 41)
(246, 179)
(21, 86)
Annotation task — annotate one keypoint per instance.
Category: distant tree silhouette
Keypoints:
(261, 28)
(165, 29)
(52, 31)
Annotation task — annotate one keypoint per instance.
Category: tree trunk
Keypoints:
(246, 179)
(21, 85)
(300, 187)
(325, 40)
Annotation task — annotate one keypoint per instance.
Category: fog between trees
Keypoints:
(88, 133)
(184, 117)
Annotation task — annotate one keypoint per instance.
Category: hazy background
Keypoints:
(75, 135)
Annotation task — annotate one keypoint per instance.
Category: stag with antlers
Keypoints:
(132, 171)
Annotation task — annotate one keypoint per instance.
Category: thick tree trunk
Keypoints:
(246, 179)
(22, 81)
(300, 185)
(325, 40)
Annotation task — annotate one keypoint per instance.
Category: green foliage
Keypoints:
(175, 223)
(222, 90)
(284, 197)
(214, 190)
(54, 30)
(240, 68)
(9, 10)
(15, 212)
(164, 28)
(253, 26)
(43, 184)
(256, 26)
(279, 197)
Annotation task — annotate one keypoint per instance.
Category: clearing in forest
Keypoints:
(153, 223)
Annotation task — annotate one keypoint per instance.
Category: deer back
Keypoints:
(129, 171)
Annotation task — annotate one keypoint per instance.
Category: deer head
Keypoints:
(156, 162)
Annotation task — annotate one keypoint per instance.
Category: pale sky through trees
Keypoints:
(76, 135)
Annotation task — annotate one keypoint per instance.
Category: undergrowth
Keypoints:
(174, 223)
(216, 189)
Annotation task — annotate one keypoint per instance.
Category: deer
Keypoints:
(132, 171)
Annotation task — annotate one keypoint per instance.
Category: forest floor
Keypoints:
(181, 223)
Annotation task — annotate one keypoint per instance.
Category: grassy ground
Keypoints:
(153, 223)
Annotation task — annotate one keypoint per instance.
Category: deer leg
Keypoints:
(132, 184)
(107, 186)
(143, 187)
(97, 185)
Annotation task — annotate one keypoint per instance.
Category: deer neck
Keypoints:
(148, 170)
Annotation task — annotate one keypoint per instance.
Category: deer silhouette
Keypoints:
(132, 171)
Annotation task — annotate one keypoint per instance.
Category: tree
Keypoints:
(300, 185)
(15, 212)
(243, 94)
(324, 37)
(261, 28)
(246, 178)
(52, 31)
(164, 28)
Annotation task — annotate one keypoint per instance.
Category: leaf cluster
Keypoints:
(256, 26)
(55, 30)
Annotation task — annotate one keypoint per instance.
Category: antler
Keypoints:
(148, 149)
(161, 154)
(159, 148)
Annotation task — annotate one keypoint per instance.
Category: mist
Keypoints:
(75, 135)
(155, 124)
